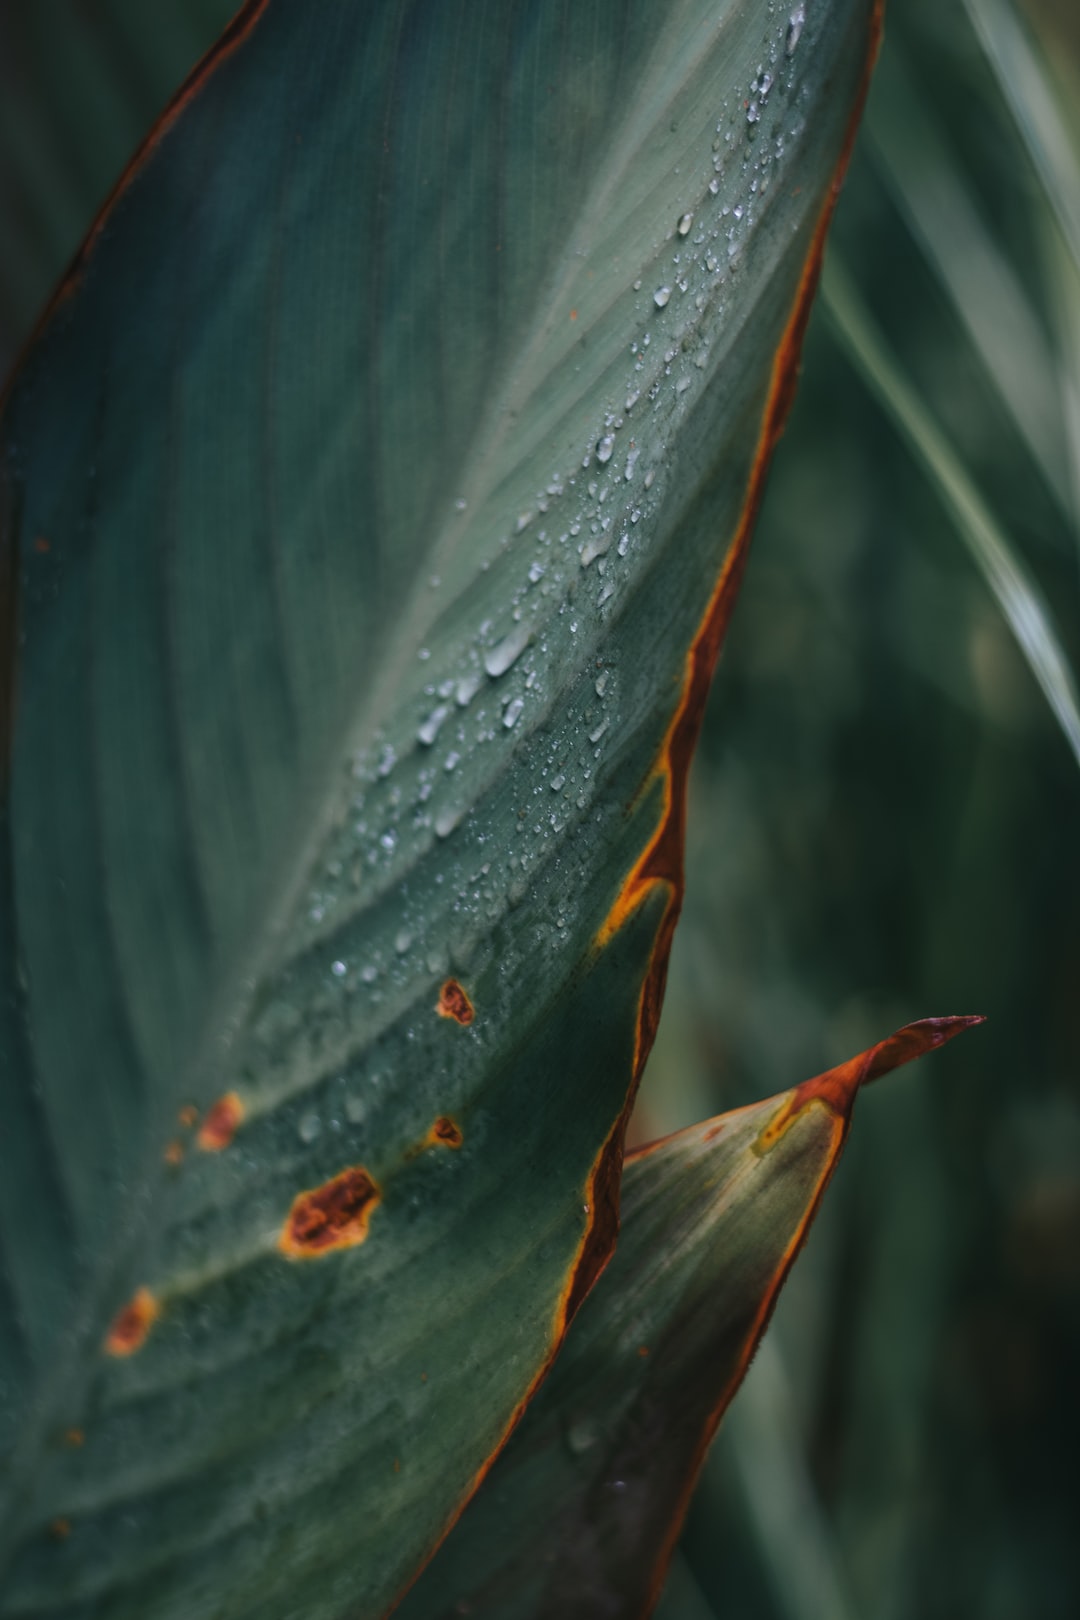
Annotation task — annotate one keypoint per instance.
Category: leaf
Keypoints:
(373, 498)
(1000, 563)
(581, 1512)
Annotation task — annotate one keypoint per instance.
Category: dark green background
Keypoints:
(883, 826)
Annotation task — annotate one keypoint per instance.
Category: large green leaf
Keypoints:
(372, 502)
(580, 1514)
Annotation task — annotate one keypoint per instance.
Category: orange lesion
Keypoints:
(454, 1003)
(74, 1438)
(445, 1132)
(60, 1529)
(333, 1216)
(222, 1121)
(131, 1326)
(188, 1116)
(174, 1153)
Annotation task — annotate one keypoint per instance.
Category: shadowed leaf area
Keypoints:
(580, 1514)
(372, 501)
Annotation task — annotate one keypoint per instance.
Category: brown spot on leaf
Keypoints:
(174, 1153)
(131, 1326)
(333, 1216)
(74, 1438)
(60, 1529)
(454, 1003)
(41, 545)
(221, 1123)
(446, 1132)
(188, 1116)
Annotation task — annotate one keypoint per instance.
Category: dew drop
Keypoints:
(605, 448)
(501, 657)
(402, 941)
(794, 30)
(685, 224)
(309, 1128)
(513, 711)
(338, 969)
(467, 688)
(432, 725)
(661, 296)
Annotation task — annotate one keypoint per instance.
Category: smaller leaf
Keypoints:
(580, 1515)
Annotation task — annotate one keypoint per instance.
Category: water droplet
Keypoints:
(582, 1436)
(402, 941)
(523, 521)
(431, 726)
(536, 573)
(595, 546)
(685, 224)
(467, 688)
(453, 759)
(624, 545)
(500, 658)
(446, 821)
(369, 974)
(794, 30)
(513, 710)
(595, 736)
(661, 296)
(354, 1110)
(753, 113)
(714, 186)
(338, 969)
(605, 447)
(387, 761)
(558, 782)
(309, 1127)
(388, 840)
(601, 683)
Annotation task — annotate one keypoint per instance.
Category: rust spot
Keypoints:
(221, 1123)
(397, 1465)
(60, 1529)
(643, 1350)
(333, 1216)
(74, 1438)
(445, 1132)
(188, 1116)
(454, 1003)
(174, 1153)
(573, 314)
(131, 1326)
(42, 546)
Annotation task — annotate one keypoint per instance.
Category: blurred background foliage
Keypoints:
(884, 818)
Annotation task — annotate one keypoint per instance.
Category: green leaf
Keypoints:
(581, 1512)
(372, 502)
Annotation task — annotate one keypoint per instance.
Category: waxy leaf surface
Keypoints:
(372, 500)
(579, 1516)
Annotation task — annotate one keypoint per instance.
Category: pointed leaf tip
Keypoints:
(836, 1088)
(914, 1041)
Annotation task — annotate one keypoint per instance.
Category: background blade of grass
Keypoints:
(1014, 590)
